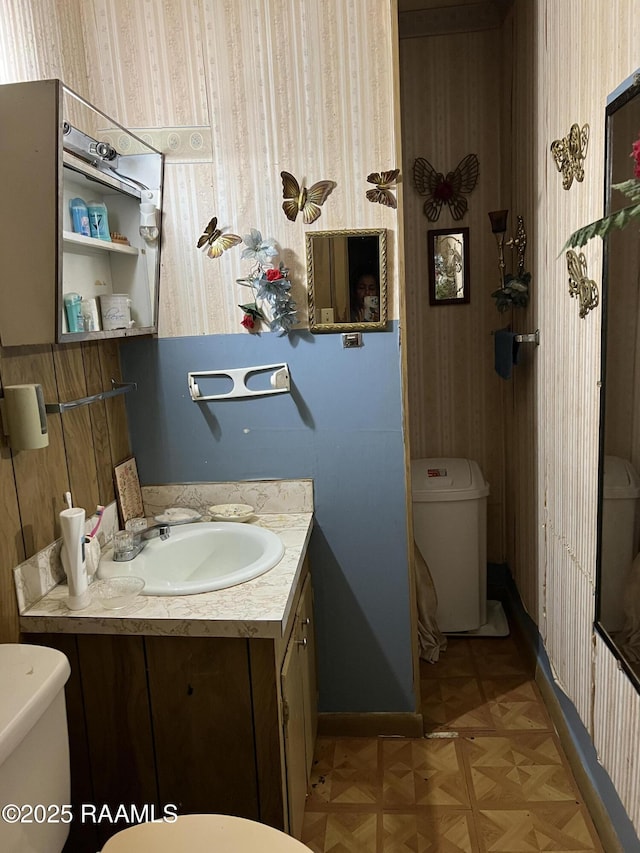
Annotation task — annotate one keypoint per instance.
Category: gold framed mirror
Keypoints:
(347, 280)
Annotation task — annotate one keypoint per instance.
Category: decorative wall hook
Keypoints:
(580, 285)
(569, 154)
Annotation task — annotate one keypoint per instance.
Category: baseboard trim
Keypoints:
(370, 724)
(597, 810)
(613, 825)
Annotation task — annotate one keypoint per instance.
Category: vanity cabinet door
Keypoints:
(309, 673)
(298, 684)
(118, 724)
(201, 711)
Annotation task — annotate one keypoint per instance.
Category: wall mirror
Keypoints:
(448, 253)
(347, 280)
(618, 565)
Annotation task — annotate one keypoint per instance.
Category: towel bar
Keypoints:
(531, 338)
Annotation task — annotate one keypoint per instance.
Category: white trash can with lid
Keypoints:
(620, 537)
(450, 529)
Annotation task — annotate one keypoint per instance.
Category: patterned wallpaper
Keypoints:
(271, 85)
(234, 93)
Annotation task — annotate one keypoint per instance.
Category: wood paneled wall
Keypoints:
(38, 40)
(84, 445)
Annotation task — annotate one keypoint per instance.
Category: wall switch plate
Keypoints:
(326, 315)
(352, 339)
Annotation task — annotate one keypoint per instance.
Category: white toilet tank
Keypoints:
(34, 748)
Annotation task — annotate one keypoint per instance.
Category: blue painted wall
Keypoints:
(342, 426)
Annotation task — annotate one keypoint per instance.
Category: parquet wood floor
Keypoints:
(489, 775)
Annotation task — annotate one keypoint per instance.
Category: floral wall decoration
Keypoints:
(269, 285)
(384, 182)
(448, 190)
(569, 154)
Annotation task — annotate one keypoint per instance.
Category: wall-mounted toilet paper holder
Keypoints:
(279, 380)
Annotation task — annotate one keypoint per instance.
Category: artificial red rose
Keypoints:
(635, 153)
(273, 275)
(248, 322)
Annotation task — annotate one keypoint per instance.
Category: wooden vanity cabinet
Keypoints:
(48, 133)
(223, 725)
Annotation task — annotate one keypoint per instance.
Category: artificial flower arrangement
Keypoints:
(514, 293)
(619, 219)
(270, 287)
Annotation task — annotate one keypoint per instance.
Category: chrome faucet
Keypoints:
(138, 542)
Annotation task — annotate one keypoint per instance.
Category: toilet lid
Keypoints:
(203, 833)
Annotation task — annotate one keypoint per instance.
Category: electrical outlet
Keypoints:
(352, 339)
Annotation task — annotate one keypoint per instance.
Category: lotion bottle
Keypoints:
(73, 557)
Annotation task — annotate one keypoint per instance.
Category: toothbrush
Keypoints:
(67, 497)
(99, 512)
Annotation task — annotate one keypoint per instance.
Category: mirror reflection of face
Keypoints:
(366, 286)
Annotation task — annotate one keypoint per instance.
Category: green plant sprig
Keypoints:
(619, 219)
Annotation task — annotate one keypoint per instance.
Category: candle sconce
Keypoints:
(514, 287)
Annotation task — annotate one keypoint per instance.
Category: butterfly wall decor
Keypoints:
(569, 154)
(217, 241)
(303, 200)
(450, 189)
(580, 285)
(384, 182)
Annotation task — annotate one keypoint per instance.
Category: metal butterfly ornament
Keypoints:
(217, 241)
(569, 154)
(580, 285)
(303, 200)
(450, 189)
(384, 182)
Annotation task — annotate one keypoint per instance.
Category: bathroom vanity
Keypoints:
(206, 702)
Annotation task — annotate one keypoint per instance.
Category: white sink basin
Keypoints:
(200, 557)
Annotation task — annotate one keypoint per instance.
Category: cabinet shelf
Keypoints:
(100, 335)
(71, 239)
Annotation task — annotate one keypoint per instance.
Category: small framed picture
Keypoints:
(448, 252)
(128, 492)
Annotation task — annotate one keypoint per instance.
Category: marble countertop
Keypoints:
(256, 608)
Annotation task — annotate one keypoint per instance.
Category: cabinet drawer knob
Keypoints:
(302, 642)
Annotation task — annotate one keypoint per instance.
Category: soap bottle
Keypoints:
(98, 220)
(73, 557)
(80, 217)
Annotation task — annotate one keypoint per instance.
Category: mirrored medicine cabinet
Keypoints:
(618, 562)
(58, 148)
(347, 280)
